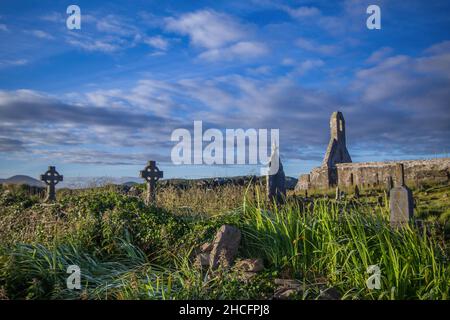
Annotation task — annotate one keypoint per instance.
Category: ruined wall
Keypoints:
(377, 173)
(304, 182)
(369, 174)
(317, 179)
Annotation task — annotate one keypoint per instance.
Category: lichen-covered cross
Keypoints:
(151, 174)
(51, 178)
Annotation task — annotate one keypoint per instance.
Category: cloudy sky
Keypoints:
(102, 100)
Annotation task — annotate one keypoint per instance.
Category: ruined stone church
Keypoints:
(337, 168)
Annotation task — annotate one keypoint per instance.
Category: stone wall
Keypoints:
(369, 174)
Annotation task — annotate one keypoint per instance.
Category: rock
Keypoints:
(288, 283)
(225, 246)
(329, 294)
(246, 276)
(250, 265)
(202, 260)
(206, 247)
(284, 293)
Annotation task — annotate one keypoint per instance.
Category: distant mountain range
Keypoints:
(22, 179)
(86, 182)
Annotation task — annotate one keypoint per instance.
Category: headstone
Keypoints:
(338, 194)
(225, 246)
(401, 200)
(356, 191)
(389, 184)
(151, 174)
(276, 179)
(51, 178)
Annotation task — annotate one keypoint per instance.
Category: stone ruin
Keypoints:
(338, 170)
(337, 147)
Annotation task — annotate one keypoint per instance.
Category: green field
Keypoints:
(127, 250)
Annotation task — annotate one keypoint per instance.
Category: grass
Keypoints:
(127, 250)
(340, 243)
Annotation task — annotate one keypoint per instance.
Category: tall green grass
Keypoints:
(38, 272)
(324, 242)
(339, 243)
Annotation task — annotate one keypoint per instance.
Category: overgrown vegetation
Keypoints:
(127, 250)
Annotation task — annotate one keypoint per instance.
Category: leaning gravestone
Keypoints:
(276, 179)
(51, 178)
(151, 174)
(225, 246)
(401, 200)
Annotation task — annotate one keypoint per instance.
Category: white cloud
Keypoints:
(223, 36)
(114, 24)
(157, 42)
(41, 34)
(315, 47)
(12, 63)
(302, 12)
(3, 27)
(244, 49)
(207, 28)
(89, 44)
(308, 65)
(379, 55)
(53, 17)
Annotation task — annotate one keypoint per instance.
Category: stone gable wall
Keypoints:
(369, 174)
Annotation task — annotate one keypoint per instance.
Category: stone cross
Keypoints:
(276, 181)
(401, 200)
(51, 178)
(151, 174)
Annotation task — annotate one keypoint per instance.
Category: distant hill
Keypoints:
(211, 182)
(76, 183)
(129, 183)
(22, 179)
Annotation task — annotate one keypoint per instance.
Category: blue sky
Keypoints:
(102, 100)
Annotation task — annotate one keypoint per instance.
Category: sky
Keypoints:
(104, 99)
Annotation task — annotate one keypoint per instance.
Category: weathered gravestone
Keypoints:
(338, 194)
(389, 184)
(151, 174)
(401, 200)
(356, 191)
(225, 246)
(276, 179)
(51, 178)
